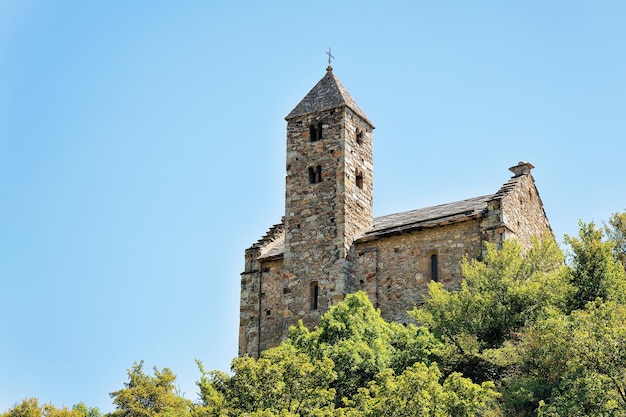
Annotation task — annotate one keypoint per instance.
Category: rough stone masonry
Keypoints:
(328, 244)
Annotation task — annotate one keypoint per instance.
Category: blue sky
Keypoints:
(142, 150)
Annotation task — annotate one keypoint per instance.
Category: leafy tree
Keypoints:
(594, 272)
(498, 297)
(83, 411)
(361, 344)
(380, 368)
(149, 396)
(588, 348)
(213, 388)
(418, 392)
(30, 407)
(616, 232)
(282, 381)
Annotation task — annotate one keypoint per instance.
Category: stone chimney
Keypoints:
(522, 168)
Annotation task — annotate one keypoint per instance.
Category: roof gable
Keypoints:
(327, 94)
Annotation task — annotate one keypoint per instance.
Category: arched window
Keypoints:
(434, 267)
(315, 290)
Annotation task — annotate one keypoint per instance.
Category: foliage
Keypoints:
(361, 344)
(498, 297)
(353, 364)
(281, 380)
(616, 232)
(418, 392)
(149, 396)
(594, 272)
(589, 347)
(30, 407)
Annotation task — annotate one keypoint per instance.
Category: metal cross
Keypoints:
(330, 56)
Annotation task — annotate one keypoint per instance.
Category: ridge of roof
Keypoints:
(328, 93)
(432, 216)
(428, 216)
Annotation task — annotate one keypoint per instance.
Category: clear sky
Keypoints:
(142, 150)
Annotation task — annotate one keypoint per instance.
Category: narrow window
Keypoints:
(315, 289)
(359, 137)
(359, 179)
(434, 268)
(315, 132)
(315, 174)
(312, 133)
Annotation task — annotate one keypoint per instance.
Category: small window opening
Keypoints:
(359, 137)
(315, 289)
(315, 174)
(434, 268)
(315, 132)
(359, 179)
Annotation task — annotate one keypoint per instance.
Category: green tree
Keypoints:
(595, 272)
(418, 392)
(360, 344)
(83, 411)
(588, 348)
(30, 407)
(149, 396)
(380, 368)
(498, 297)
(282, 381)
(616, 232)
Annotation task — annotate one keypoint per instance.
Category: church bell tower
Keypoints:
(328, 197)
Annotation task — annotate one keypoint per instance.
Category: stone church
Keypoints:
(328, 243)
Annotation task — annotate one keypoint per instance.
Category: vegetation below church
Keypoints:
(526, 334)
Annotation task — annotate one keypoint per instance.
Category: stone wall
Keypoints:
(395, 270)
(324, 212)
(523, 210)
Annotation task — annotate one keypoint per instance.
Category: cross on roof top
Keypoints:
(330, 56)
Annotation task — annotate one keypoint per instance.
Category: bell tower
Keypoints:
(328, 197)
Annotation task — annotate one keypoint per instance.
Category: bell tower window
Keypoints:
(359, 137)
(359, 179)
(315, 132)
(315, 174)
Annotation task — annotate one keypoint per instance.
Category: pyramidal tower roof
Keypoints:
(327, 94)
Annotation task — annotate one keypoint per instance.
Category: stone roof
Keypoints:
(404, 222)
(327, 94)
(274, 250)
(427, 217)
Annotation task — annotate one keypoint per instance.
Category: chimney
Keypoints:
(522, 168)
